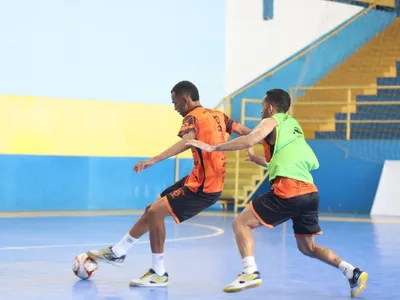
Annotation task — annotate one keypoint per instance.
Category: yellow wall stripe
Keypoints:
(49, 126)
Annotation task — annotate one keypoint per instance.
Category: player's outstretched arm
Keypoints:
(257, 159)
(243, 142)
(240, 129)
(175, 149)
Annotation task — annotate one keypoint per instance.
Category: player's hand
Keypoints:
(201, 145)
(143, 165)
(250, 155)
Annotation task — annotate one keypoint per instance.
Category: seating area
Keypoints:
(377, 63)
(376, 121)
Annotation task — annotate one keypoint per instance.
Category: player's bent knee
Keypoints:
(152, 212)
(239, 220)
(245, 218)
(157, 210)
(147, 208)
(236, 223)
(306, 249)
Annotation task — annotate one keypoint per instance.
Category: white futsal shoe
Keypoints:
(106, 255)
(243, 282)
(150, 279)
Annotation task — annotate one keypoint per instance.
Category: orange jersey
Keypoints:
(285, 187)
(210, 126)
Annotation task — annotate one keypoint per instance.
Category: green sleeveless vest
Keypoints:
(292, 156)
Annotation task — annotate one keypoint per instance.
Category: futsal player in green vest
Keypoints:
(293, 194)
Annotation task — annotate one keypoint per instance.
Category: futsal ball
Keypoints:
(83, 266)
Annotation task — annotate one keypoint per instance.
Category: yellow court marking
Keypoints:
(38, 214)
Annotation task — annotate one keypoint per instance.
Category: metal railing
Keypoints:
(347, 102)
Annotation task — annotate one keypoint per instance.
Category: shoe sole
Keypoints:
(132, 284)
(102, 260)
(235, 290)
(363, 284)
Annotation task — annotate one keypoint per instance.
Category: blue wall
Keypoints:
(308, 69)
(349, 173)
(30, 182)
(347, 179)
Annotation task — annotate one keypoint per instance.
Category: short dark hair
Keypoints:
(279, 99)
(186, 87)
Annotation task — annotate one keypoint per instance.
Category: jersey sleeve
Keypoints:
(230, 124)
(189, 123)
(280, 117)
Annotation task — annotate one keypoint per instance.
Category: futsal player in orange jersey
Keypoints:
(189, 196)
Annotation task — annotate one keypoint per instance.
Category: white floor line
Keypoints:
(217, 231)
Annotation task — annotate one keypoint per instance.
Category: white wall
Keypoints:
(254, 45)
(123, 50)
(387, 201)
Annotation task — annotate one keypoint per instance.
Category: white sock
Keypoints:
(249, 265)
(158, 263)
(347, 269)
(124, 245)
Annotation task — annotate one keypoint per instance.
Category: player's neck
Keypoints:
(195, 106)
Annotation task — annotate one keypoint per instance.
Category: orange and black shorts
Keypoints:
(272, 211)
(184, 204)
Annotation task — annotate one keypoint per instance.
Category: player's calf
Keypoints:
(249, 277)
(116, 254)
(155, 220)
(356, 277)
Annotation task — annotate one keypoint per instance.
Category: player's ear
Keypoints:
(270, 108)
(187, 99)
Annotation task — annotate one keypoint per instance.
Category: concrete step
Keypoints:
(317, 112)
(230, 182)
(379, 109)
(370, 116)
(244, 171)
(354, 135)
(374, 98)
(230, 194)
(389, 81)
(370, 127)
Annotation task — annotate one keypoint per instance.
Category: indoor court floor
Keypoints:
(36, 254)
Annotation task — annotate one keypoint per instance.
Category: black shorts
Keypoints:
(272, 211)
(184, 204)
